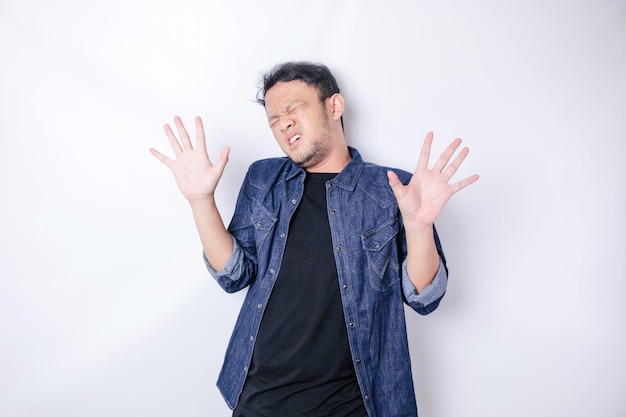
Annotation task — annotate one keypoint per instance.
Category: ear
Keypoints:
(336, 106)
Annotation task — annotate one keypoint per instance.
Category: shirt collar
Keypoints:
(347, 178)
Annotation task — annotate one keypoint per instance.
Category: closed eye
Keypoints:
(289, 110)
(293, 109)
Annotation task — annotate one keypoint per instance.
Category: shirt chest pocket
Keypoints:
(381, 251)
(262, 222)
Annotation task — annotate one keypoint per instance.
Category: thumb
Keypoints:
(223, 159)
(394, 183)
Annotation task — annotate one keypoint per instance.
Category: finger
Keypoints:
(463, 183)
(200, 138)
(425, 152)
(182, 132)
(158, 155)
(446, 155)
(395, 183)
(223, 159)
(171, 137)
(456, 163)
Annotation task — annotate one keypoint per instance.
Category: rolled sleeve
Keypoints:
(234, 267)
(432, 293)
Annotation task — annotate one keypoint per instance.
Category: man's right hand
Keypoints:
(195, 174)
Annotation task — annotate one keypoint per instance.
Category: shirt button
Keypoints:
(339, 248)
(252, 338)
(345, 286)
(358, 361)
(367, 397)
(272, 271)
(245, 369)
(293, 201)
(282, 235)
(333, 212)
(260, 306)
(351, 324)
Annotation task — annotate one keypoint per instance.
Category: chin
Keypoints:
(305, 162)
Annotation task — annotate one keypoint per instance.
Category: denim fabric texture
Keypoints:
(370, 250)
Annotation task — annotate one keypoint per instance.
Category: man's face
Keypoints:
(299, 122)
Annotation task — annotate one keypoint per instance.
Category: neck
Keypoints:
(335, 161)
(331, 166)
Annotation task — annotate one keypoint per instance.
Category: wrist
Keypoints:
(416, 228)
(201, 202)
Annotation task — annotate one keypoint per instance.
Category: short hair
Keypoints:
(315, 75)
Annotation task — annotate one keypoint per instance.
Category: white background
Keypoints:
(105, 307)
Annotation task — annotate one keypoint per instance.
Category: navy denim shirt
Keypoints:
(370, 251)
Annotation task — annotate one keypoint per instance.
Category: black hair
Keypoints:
(315, 75)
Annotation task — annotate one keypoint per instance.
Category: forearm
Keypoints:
(216, 241)
(422, 256)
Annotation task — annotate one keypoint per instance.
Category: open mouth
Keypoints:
(293, 139)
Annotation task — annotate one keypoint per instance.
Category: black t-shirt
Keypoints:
(302, 364)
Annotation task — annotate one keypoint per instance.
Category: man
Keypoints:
(329, 247)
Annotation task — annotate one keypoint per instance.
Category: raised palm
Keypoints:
(195, 174)
(424, 197)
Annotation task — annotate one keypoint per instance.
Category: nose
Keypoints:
(286, 123)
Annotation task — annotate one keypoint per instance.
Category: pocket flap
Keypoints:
(376, 239)
(261, 219)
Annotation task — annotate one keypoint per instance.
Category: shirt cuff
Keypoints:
(233, 267)
(431, 293)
